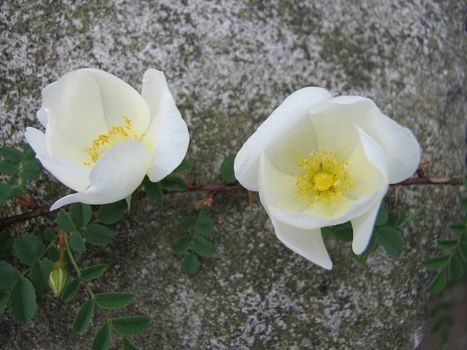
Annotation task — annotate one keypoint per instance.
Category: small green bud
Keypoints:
(57, 280)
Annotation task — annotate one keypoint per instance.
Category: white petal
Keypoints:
(294, 147)
(284, 118)
(121, 100)
(279, 189)
(335, 133)
(42, 112)
(168, 132)
(71, 175)
(374, 153)
(75, 116)
(42, 116)
(307, 243)
(278, 195)
(117, 173)
(366, 176)
(307, 220)
(363, 226)
(399, 144)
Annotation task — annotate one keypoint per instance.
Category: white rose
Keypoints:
(319, 161)
(102, 137)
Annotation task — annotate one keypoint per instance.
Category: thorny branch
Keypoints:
(213, 189)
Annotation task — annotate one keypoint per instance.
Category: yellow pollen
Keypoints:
(114, 136)
(324, 178)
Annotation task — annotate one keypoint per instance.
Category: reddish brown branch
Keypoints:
(213, 189)
(10, 220)
(428, 180)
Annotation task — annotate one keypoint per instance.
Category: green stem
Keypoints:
(76, 267)
(25, 272)
(72, 258)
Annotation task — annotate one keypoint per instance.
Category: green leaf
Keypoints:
(8, 275)
(383, 216)
(174, 183)
(128, 345)
(5, 244)
(5, 192)
(443, 321)
(182, 244)
(4, 297)
(28, 153)
(30, 170)
(459, 229)
(70, 290)
(8, 168)
(444, 336)
(65, 222)
(227, 170)
(184, 166)
(77, 242)
(102, 339)
(447, 246)
(93, 272)
(190, 264)
(29, 249)
(111, 213)
(153, 190)
(189, 223)
(84, 317)
(81, 214)
(341, 232)
(23, 300)
(464, 204)
(49, 234)
(437, 263)
(204, 223)
(203, 247)
(11, 154)
(372, 245)
(391, 240)
(130, 325)
(439, 283)
(456, 269)
(114, 300)
(396, 217)
(39, 275)
(440, 307)
(463, 249)
(16, 188)
(99, 235)
(53, 253)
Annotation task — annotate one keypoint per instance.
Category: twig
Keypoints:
(213, 189)
(428, 180)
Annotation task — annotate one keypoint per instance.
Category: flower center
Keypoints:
(103, 142)
(324, 178)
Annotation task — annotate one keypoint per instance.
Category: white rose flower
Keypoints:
(320, 161)
(102, 137)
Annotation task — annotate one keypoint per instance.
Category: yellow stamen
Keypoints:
(324, 178)
(114, 136)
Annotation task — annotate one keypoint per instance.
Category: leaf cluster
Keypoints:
(387, 232)
(20, 167)
(450, 267)
(194, 243)
(126, 326)
(173, 182)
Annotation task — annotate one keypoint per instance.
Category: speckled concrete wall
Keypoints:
(229, 64)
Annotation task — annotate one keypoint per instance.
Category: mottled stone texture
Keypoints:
(229, 64)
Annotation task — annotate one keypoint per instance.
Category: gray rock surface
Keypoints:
(228, 65)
